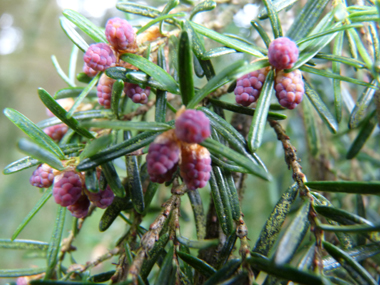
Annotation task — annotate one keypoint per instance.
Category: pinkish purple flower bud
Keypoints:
(192, 126)
(282, 53)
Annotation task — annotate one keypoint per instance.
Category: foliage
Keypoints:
(295, 243)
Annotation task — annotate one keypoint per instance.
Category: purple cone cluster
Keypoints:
(289, 87)
(282, 53)
(136, 93)
(42, 177)
(56, 132)
(104, 91)
(120, 34)
(69, 190)
(248, 87)
(195, 166)
(162, 159)
(100, 56)
(192, 126)
(180, 147)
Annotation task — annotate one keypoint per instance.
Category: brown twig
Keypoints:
(291, 158)
(149, 239)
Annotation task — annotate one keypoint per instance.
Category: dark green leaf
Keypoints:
(153, 255)
(341, 216)
(128, 125)
(215, 52)
(139, 9)
(233, 194)
(60, 72)
(8, 273)
(220, 149)
(73, 62)
(113, 211)
(337, 58)
(149, 194)
(221, 202)
(61, 113)
(359, 254)
(113, 179)
(55, 241)
(34, 132)
(91, 180)
(307, 260)
(199, 216)
(21, 164)
(375, 40)
(82, 115)
(23, 244)
(134, 181)
(327, 32)
(185, 68)
(259, 119)
(284, 271)
(358, 187)
(360, 47)
(198, 69)
(55, 282)
(73, 35)
(338, 46)
(166, 268)
(40, 153)
(344, 259)
(159, 19)
(306, 19)
(199, 50)
(102, 277)
(199, 244)
(351, 45)
(117, 89)
(115, 151)
(321, 108)
(311, 127)
(153, 70)
(198, 264)
(263, 34)
(225, 272)
(138, 77)
(335, 76)
(217, 81)
(83, 77)
(273, 225)
(117, 72)
(364, 134)
(234, 138)
(278, 5)
(203, 6)
(85, 25)
(273, 17)
(228, 42)
(227, 249)
(72, 92)
(160, 113)
(95, 146)
(349, 229)
(83, 95)
(41, 202)
(362, 104)
(309, 49)
(244, 110)
(227, 165)
(293, 235)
